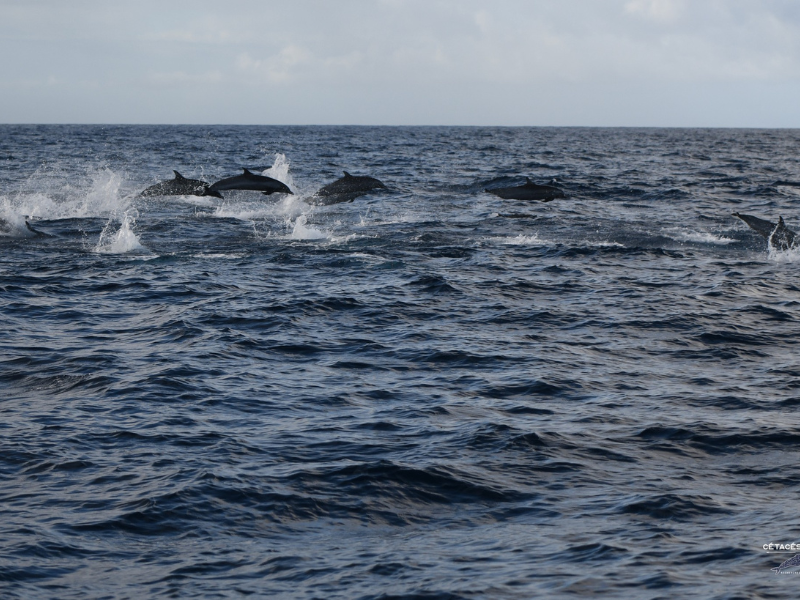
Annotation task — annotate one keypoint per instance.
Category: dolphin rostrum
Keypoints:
(528, 191)
(251, 181)
(779, 236)
(346, 189)
(180, 186)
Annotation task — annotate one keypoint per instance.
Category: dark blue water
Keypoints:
(427, 393)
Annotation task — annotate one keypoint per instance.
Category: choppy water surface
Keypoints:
(429, 392)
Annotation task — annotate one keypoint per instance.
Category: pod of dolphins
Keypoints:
(350, 187)
(346, 189)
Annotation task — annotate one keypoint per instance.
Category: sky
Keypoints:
(652, 63)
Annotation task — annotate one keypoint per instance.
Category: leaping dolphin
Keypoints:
(779, 236)
(251, 181)
(528, 191)
(180, 186)
(346, 189)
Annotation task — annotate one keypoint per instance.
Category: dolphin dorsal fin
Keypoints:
(528, 181)
(178, 175)
(781, 223)
(246, 171)
(346, 174)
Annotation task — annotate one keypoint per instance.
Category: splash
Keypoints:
(103, 196)
(301, 232)
(12, 224)
(792, 255)
(280, 170)
(122, 240)
(47, 197)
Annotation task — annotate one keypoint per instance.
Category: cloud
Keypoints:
(425, 59)
(664, 11)
(180, 79)
(282, 67)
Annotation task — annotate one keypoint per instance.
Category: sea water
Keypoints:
(430, 392)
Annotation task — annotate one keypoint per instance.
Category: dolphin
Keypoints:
(346, 189)
(779, 236)
(528, 191)
(251, 181)
(180, 186)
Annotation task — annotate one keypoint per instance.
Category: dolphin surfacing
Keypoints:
(528, 191)
(346, 189)
(180, 186)
(777, 234)
(251, 181)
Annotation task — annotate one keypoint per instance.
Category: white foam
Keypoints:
(791, 255)
(701, 237)
(243, 211)
(522, 240)
(603, 244)
(121, 241)
(302, 232)
(288, 208)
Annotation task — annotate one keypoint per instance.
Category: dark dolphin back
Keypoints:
(528, 191)
(179, 186)
(351, 186)
(253, 182)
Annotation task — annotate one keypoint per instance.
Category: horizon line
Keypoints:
(124, 124)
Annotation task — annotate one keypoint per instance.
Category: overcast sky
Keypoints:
(730, 63)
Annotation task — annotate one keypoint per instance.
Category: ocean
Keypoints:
(429, 392)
